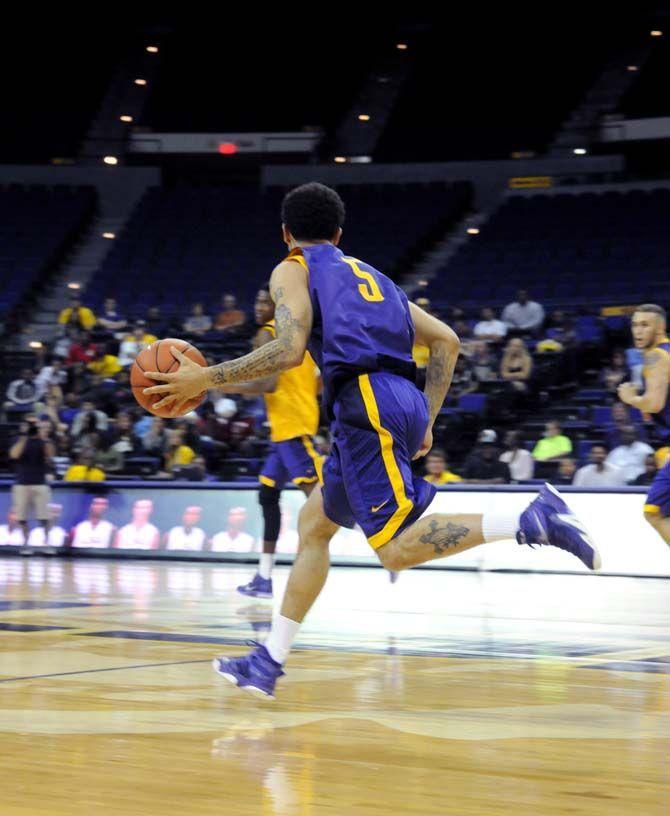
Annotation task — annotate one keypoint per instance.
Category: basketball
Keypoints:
(158, 357)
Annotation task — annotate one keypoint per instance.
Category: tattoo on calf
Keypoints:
(444, 536)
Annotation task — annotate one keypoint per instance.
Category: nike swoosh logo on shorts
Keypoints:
(379, 506)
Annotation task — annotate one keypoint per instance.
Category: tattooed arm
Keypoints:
(444, 347)
(657, 380)
(264, 385)
(293, 324)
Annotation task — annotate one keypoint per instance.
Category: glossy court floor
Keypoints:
(447, 693)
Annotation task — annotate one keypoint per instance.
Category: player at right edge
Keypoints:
(649, 329)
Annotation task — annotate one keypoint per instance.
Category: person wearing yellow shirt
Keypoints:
(83, 470)
(77, 315)
(293, 414)
(178, 454)
(106, 365)
(437, 469)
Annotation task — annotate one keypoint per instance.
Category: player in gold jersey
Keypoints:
(293, 414)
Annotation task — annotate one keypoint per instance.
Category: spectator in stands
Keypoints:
(562, 330)
(133, 343)
(621, 418)
(630, 456)
(615, 372)
(650, 471)
(599, 473)
(195, 472)
(489, 328)
(121, 437)
(198, 323)
(62, 459)
(88, 420)
(156, 323)
(567, 467)
(24, 392)
(107, 457)
(61, 348)
(523, 315)
(484, 362)
(230, 317)
(177, 454)
(516, 365)
(52, 374)
(104, 364)
(77, 315)
(519, 460)
(483, 466)
(554, 445)
(70, 408)
(464, 380)
(83, 469)
(82, 350)
(111, 319)
(437, 469)
(50, 411)
(155, 440)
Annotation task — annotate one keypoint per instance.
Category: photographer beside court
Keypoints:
(31, 454)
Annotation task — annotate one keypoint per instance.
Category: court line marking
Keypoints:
(94, 671)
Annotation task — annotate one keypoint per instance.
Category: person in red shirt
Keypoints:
(82, 350)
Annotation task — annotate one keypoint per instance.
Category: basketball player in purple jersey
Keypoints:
(360, 328)
(650, 333)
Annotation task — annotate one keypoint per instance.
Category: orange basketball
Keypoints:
(158, 357)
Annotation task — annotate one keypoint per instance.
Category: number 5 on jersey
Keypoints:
(369, 290)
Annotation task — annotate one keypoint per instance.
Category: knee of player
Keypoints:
(268, 496)
(392, 557)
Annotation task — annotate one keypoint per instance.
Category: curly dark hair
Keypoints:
(312, 212)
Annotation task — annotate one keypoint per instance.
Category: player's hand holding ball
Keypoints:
(181, 370)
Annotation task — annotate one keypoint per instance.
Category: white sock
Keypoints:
(265, 565)
(499, 526)
(281, 637)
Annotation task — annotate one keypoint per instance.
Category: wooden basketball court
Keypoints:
(447, 693)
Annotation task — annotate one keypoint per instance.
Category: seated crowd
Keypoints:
(504, 377)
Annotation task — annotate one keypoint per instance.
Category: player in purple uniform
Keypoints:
(649, 328)
(360, 328)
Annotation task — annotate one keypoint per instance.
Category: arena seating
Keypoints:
(579, 250)
(188, 244)
(37, 225)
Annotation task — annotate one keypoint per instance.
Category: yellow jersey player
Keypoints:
(649, 329)
(293, 415)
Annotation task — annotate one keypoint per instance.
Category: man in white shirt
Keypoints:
(11, 534)
(187, 536)
(523, 314)
(489, 328)
(95, 532)
(140, 534)
(234, 539)
(630, 456)
(57, 535)
(519, 460)
(599, 473)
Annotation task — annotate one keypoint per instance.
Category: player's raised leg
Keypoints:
(546, 521)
